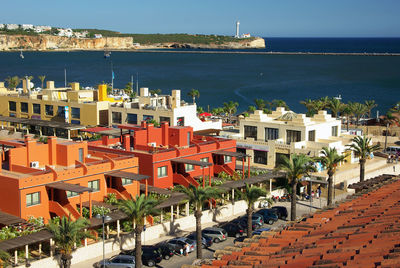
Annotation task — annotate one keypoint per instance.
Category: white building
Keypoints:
(2, 26)
(12, 26)
(268, 137)
(27, 27)
(168, 108)
(98, 36)
(40, 29)
(81, 34)
(65, 32)
(246, 35)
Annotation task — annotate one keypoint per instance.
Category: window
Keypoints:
(292, 136)
(250, 132)
(165, 119)
(131, 119)
(61, 111)
(12, 106)
(95, 185)
(335, 131)
(241, 150)
(189, 167)
(36, 108)
(204, 159)
(49, 109)
(188, 138)
(116, 117)
(24, 107)
(126, 181)
(271, 133)
(76, 113)
(81, 154)
(32, 199)
(260, 157)
(227, 159)
(71, 194)
(162, 172)
(311, 135)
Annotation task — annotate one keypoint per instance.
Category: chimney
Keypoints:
(26, 85)
(52, 145)
(164, 133)
(150, 131)
(75, 86)
(176, 98)
(49, 84)
(28, 143)
(127, 142)
(144, 92)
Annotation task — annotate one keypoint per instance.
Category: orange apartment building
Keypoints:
(172, 155)
(54, 179)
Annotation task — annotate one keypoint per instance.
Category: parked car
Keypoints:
(257, 220)
(242, 222)
(217, 234)
(179, 243)
(259, 231)
(165, 251)
(269, 215)
(234, 230)
(151, 255)
(118, 261)
(281, 212)
(206, 241)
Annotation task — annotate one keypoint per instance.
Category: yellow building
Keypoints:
(64, 105)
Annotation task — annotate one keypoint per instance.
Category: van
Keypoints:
(393, 150)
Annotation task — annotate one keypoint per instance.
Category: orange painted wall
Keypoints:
(9, 195)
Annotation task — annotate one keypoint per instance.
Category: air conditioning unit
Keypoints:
(34, 164)
(152, 144)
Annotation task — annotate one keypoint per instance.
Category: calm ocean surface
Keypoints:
(237, 77)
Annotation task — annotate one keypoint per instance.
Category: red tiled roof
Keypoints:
(363, 232)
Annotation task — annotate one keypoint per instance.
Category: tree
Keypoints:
(230, 108)
(42, 78)
(295, 167)
(358, 110)
(336, 106)
(194, 93)
(279, 103)
(330, 159)
(362, 148)
(198, 196)
(4, 258)
(137, 210)
(217, 111)
(129, 88)
(66, 233)
(260, 104)
(13, 82)
(347, 112)
(251, 195)
(309, 103)
(369, 105)
(251, 109)
(155, 91)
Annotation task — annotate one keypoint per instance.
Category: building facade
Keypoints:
(268, 137)
(172, 155)
(57, 178)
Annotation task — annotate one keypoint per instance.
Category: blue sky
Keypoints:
(268, 18)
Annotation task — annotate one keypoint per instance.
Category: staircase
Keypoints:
(118, 194)
(67, 210)
(185, 181)
(223, 168)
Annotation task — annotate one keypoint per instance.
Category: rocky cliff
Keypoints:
(50, 42)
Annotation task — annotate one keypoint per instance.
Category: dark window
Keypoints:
(260, 157)
(335, 131)
(36, 108)
(180, 121)
(116, 117)
(250, 132)
(12, 105)
(271, 133)
(241, 150)
(81, 154)
(24, 107)
(49, 109)
(165, 119)
(33, 199)
(131, 119)
(292, 136)
(75, 113)
(61, 111)
(311, 135)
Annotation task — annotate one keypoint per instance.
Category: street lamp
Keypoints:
(104, 219)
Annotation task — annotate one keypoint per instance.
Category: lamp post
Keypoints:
(103, 218)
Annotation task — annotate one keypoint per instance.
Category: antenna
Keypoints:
(137, 84)
(65, 77)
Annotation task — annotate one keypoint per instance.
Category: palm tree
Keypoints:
(318, 105)
(251, 109)
(260, 104)
(325, 102)
(330, 159)
(251, 195)
(200, 110)
(4, 258)
(358, 110)
(279, 103)
(369, 105)
(309, 103)
(296, 167)
(66, 234)
(137, 210)
(42, 78)
(194, 93)
(13, 82)
(155, 91)
(217, 111)
(230, 108)
(198, 196)
(362, 148)
(336, 106)
(347, 112)
(389, 120)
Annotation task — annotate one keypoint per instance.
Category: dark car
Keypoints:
(151, 255)
(165, 251)
(242, 222)
(259, 231)
(281, 212)
(269, 215)
(234, 230)
(206, 241)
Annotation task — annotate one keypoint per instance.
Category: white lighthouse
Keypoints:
(237, 29)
